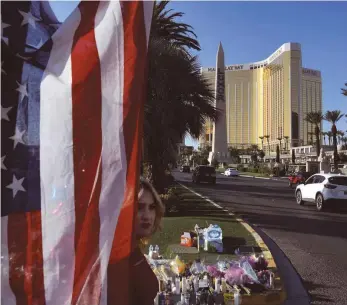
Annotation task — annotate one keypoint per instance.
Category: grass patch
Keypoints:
(255, 174)
(187, 210)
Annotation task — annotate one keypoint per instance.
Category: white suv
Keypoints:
(322, 188)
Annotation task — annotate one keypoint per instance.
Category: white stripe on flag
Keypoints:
(57, 170)
(148, 11)
(7, 296)
(109, 35)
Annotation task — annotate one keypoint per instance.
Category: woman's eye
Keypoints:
(152, 206)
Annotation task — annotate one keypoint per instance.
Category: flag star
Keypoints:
(28, 18)
(2, 70)
(22, 89)
(17, 137)
(16, 186)
(4, 26)
(4, 113)
(5, 39)
(2, 163)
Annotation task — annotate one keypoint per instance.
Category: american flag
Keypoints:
(72, 100)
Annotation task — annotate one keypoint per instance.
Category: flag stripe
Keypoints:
(87, 142)
(133, 100)
(7, 295)
(110, 43)
(56, 163)
(17, 240)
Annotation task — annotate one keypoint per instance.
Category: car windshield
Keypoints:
(208, 170)
(338, 180)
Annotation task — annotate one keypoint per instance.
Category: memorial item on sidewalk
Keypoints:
(222, 283)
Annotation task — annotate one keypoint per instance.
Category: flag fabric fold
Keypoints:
(71, 118)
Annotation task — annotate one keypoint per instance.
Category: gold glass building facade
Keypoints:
(268, 98)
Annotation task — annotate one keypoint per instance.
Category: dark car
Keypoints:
(299, 177)
(204, 173)
(185, 169)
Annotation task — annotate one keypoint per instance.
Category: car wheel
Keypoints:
(298, 197)
(320, 202)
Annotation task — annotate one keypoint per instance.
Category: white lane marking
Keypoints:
(201, 196)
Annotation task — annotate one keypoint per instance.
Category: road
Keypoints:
(314, 242)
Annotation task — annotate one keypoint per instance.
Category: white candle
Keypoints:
(236, 297)
(178, 285)
(224, 286)
(271, 280)
(217, 285)
(184, 285)
(196, 284)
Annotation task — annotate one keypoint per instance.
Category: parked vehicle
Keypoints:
(204, 173)
(185, 169)
(323, 189)
(298, 178)
(231, 172)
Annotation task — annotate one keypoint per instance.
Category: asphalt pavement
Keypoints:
(309, 247)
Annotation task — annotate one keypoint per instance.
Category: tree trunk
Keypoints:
(317, 131)
(336, 156)
(158, 177)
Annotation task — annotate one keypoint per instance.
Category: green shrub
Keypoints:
(240, 168)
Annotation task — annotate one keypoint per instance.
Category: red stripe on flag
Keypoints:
(135, 58)
(25, 257)
(87, 142)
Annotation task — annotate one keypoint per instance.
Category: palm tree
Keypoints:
(175, 89)
(262, 142)
(311, 137)
(280, 139)
(333, 117)
(267, 137)
(315, 118)
(286, 138)
(340, 134)
(344, 90)
(344, 140)
(324, 134)
(165, 25)
(330, 135)
(254, 148)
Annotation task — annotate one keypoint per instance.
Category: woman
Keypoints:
(150, 211)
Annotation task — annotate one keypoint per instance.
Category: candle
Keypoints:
(224, 286)
(184, 285)
(217, 285)
(196, 284)
(236, 297)
(178, 290)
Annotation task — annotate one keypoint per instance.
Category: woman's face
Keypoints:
(145, 215)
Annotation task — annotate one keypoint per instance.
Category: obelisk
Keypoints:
(219, 138)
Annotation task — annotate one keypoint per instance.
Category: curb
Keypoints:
(264, 178)
(274, 297)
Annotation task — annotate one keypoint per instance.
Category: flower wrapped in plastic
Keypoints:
(214, 272)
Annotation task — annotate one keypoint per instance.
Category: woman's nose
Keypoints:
(145, 215)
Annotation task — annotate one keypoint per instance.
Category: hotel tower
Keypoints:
(268, 98)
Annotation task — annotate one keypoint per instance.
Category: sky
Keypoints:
(251, 31)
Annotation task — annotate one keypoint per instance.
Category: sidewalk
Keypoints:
(191, 208)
